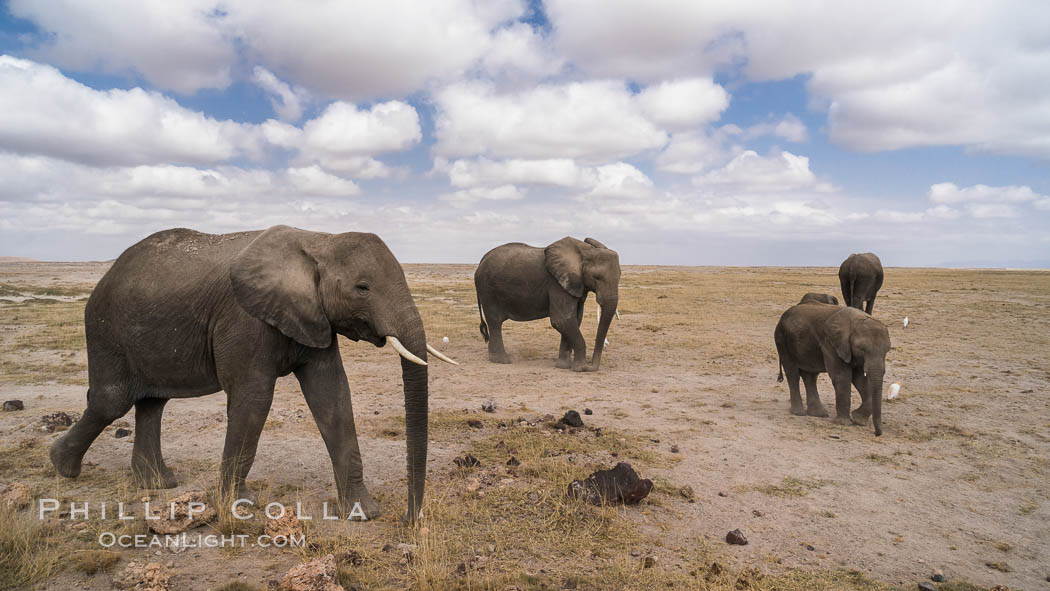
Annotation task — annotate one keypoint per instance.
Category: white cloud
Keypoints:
(618, 179)
(748, 172)
(44, 112)
(789, 127)
(350, 51)
(900, 75)
(286, 101)
(594, 121)
(519, 53)
(695, 151)
(466, 197)
(681, 104)
(951, 193)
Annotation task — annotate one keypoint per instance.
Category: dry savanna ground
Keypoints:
(959, 482)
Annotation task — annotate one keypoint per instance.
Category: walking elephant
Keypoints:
(860, 277)
(183, 314)
(822, 298)
(846, 343)
(521, 282)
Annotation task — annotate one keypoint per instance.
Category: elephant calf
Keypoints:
(860, 277)
(846, 343)
(521, 282)
(821, 298)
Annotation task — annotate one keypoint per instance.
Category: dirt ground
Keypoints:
(959, 482)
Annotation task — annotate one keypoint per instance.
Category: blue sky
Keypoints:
(757, 133)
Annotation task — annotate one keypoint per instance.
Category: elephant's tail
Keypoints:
(484, 327)
(780, 375)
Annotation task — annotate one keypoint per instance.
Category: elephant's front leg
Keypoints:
(840, 379)
(327, 393)
(248, 405)
(863, 412)
(566, 347)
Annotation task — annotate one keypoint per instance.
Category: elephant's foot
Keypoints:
(228, 496)
(150, 476)
(581, 367)
(798, 411)
(562, 363)
(499, 358)
(817, 410)
(860, 416)
(842, 421)
(359, 505)
(66, 462)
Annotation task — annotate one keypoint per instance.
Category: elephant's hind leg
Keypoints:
(105, 405)
(814, 408)
(497, 354)
(147, 463)
(792, 373)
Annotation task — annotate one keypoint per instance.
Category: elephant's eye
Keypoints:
(362, 286)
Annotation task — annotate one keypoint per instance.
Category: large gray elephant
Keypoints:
(521, 282)
(846, 343)
(183, 314)
(860, 277)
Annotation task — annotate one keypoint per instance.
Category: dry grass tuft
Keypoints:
(93, 561)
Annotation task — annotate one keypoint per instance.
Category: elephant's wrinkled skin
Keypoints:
(184, 314)
(821, 298)
(860, 277)
(846, 343)
(521, 282)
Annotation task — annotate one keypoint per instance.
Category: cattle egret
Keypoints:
(895, 390)
(606, 342)
(905, 322)
(445, 339)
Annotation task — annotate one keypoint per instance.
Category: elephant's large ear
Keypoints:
(595, 243)
(838, 329)
(566, 264)
(275, 280)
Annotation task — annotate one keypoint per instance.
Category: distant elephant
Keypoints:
(846, 343)
(183, 314)
(821, 298)
(523, 282)
(860, 277)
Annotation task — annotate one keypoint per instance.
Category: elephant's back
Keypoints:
(513, 255)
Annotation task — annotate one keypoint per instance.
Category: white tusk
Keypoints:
(440, 356)
(617, 313)
(402, 351)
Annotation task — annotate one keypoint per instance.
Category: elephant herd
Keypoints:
(184, 314)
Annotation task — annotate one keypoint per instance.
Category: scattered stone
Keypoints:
(736, 537)
(810, 547)
(58, 421)
(654, 439)
(143, 577)
(723, 493)
(834, 437)
(17, 495)
(924, 586)
(316, 575)
(489, 406)
(202, 513)
(674, 449)
(757, 513)
(571, 419)
(687, 493)
(13, 405)
(119, 433)
(467, 461)
(649, 562)
(473, 485)
(287, 525)
(938, 576)
(569, 583)
(620, 484)
(408, 552)
(475, 423)
(588, 411)
(351, 557)
(513, 462)
(636, 552)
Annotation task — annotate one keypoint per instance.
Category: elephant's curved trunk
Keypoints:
(608, 311)
(413, 337)
(875, 395)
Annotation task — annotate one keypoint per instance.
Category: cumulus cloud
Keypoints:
(748, 172)
(470, 196)
(594, 121)
(618, 179)
(286, 101)
(520, 54)
(789, 128)
(982, 201)
(685, 103)
(44, 112)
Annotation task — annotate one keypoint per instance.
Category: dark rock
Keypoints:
(757, 513)
(736, 537)
(810, 547)
(467, 461)
(13, 405)
(121, 433)
(513, 461)
(618, 485)
(57, 421)
(571, 419)
(352, 557)
(649, 562)
(674, 449)
(687, 493)
(927, 587)
(723, 493)
(475, 423)
(654, 439)
(588, 411)
(489, 406)
(569, 583)
(938, 576)
(388, 547)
